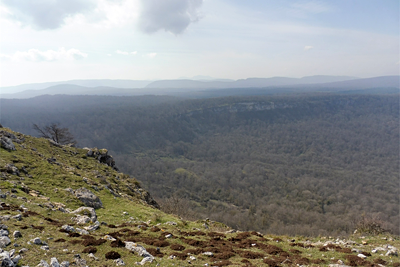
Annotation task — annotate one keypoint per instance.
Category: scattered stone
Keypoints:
(119, 262)
(362, 256)
(17, 234)
(82, 231)
(45, 247)
(141, 251)
(93, 227)
(68, 228)
(10, 168)
(17, 217)
(92, 256)
(210, 254)
(36, 241)
(64, 264)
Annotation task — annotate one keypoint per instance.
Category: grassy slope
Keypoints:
(46, 183)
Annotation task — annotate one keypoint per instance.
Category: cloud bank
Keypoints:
(36, 55)
(47, 14)
(170, 15)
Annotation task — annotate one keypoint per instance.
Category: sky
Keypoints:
(58, 40)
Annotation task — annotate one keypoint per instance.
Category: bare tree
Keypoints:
(55, 133)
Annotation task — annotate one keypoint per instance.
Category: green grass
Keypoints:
(50, 180)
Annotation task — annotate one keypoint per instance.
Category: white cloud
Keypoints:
(151, 55)
(46, 14)
(49, 55)
(308, 47)
(126, 53)
(170, 15)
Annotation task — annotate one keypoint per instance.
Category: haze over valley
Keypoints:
(280, 117)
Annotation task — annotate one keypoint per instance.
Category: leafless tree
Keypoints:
(55, 133)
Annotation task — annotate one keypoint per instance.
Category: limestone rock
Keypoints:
(93, 216)
(54, 262)
(6, 143)
(88, 198)
(4, 241)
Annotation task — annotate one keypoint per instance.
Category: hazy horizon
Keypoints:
(170, 39)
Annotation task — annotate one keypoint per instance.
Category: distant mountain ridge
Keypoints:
(249, 82)
(214, 88)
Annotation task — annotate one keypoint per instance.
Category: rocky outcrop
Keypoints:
(102, 156)
(88, 198)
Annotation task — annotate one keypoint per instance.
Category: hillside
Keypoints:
(309, 164)
(61, 205)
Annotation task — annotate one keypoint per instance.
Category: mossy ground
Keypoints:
(129, 218)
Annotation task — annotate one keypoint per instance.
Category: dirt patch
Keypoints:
(90, 250)
(181, 256)
(318, 261)
(155, 229)
(224, 255)
(271, 262)
(354, 260)
(273, 250)
(251, 255)
(380, 261)
(40, 228)
(93, 242)
(111, 226)
(24, 227)
(60, 240)
(117, 244)
(302, 261)
(112, 255)
(215, 234)
(222, 263)
(74, 242)
(294, 251)
(243, 235)
(155, 252)
(195, 251)
(177, 247)
(195, 243)
(74, 235)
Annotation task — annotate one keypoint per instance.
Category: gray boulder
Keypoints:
(93, 216)
(54, 262)
(3, 232)
(88, 198)
(6, 143)
(43, 263)
(4, 241)
(6, 260)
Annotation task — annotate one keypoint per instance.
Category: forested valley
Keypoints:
(311, 164)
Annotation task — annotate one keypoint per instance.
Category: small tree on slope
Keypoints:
(55, 133)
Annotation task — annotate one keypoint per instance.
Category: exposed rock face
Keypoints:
(148, 198)
(88, 198)
(102, 156)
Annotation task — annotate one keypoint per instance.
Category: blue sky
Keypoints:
(54, 40)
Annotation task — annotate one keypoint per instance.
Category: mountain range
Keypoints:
(206, 88)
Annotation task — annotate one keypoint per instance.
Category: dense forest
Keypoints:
(296, 164)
